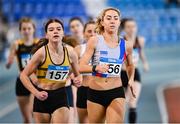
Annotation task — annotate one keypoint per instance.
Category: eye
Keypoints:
(59, 29)
(108, 18)
(89, 31)
(51, 29)
(24, 29)
(116, 18)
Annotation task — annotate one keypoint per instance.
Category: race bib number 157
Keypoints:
(57, 73)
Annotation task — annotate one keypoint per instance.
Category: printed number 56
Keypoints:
(113, 68)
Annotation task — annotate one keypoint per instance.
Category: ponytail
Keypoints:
(41, 42)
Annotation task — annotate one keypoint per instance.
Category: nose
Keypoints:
(55, 31)
(112, 21)
(92, 33)
(26, 31)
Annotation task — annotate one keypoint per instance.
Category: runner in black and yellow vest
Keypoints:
(21, 49)
(52, 64)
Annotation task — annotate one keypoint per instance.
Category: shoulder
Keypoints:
(93, 41)
(71, 52)
(141, 41)
(78, 49)
(129, 47)
(19, 41)
(69, 48)
(16, 44)
(36, 40)
(40, 53)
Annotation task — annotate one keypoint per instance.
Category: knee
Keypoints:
(27, 120)
(132, 102)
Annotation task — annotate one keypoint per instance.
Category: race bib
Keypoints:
(25, 58)
(57, 73)
(114, 66)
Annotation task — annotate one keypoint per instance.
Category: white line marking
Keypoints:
(161, 99)
(9, 108)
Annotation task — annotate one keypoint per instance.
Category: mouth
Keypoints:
(112, 26)
(56, 36)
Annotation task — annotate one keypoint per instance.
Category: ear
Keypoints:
(102, 23)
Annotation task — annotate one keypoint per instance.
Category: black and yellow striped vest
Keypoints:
(49, 72)
(23, 52)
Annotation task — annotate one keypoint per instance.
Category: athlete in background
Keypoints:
(129, 27)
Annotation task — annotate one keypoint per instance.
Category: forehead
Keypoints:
(26, 24)
(131, 23)
(90, 26)
(54, 24)
(111, 13)
(75, 22)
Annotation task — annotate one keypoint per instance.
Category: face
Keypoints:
(111, 21)
(27, 30)
(76, 28)
(130, 28)
(55, 32)
(89, 31)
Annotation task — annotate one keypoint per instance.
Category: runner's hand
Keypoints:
(146, 67)
(42, 95)
(103, 68)
(131, 88)
(8, 65)
(77, 80)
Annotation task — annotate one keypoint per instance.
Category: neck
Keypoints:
(131, 37)
(28, 40)
(55, 46)
(80, 38)
(110, 37)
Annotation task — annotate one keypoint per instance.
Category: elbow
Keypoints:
(80, 69)
(131, 67)
(21, 76)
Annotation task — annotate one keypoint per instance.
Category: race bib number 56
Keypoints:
(114, 66)
(57, 73)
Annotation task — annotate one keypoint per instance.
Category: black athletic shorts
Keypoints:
(70, 95)
(105, 97)
(56, 99)
(82, 97)
(20, 89)
(124, 77)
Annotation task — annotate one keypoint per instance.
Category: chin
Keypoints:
(111, 31)
(55, 41)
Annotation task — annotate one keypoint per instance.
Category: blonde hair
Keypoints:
(26, 20)
(99, 28)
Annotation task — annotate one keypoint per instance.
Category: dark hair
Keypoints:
(123, 22)
(76, 18)
(44, 41)
(70, 40)
(26, 20)
(88, 23)
(51, 21)
(41, 42)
